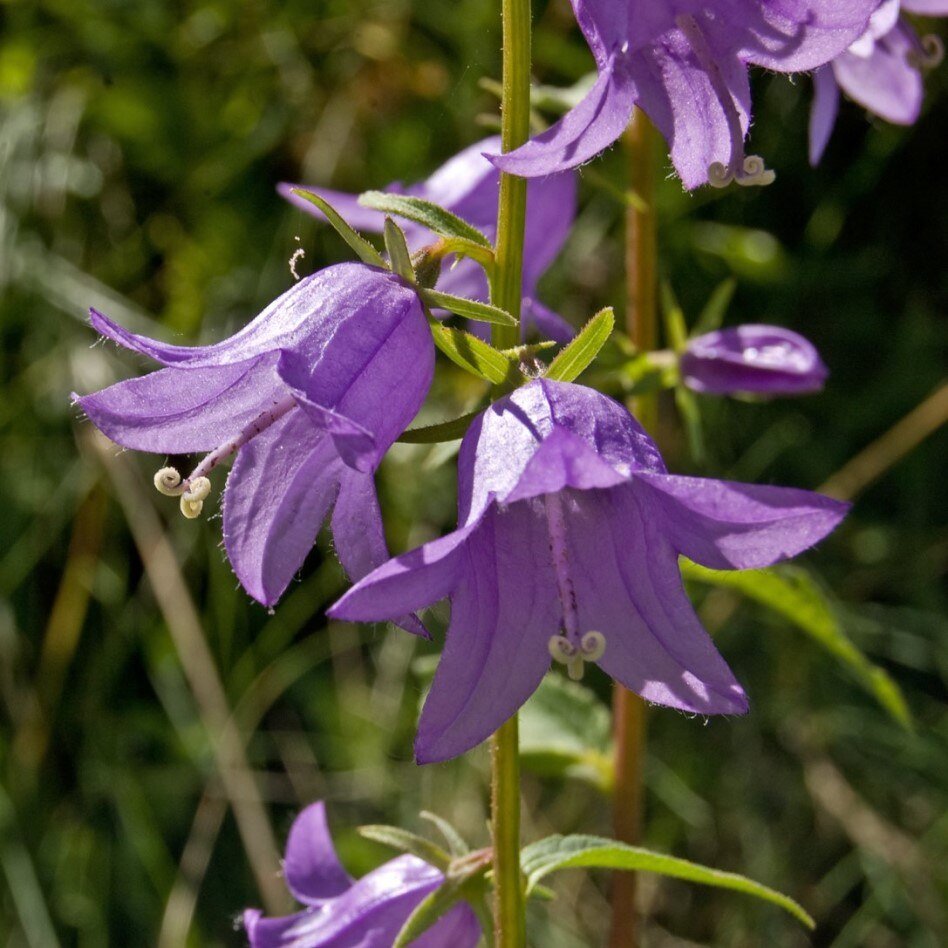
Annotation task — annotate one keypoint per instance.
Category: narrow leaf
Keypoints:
(406, 842)
(472, 309)
(423, 212)
(716, 308)
(363, 249)
(690, 413)
(428, 911)
(576, 357)
(398, 252)
(572, 852)
(676, 330)
(435, 434)
(472, 354)
(456, 844)
(792, 593)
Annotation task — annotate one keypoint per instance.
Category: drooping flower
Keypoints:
(685, 64)
(882, 71)
(467, 185)
(342, 912)
(752, 359)
(569, 531)
(308, 396)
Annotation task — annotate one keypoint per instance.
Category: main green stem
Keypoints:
(642, 326)
(510, 927)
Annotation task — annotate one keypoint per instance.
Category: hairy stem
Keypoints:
(506, 291)
(642, 326)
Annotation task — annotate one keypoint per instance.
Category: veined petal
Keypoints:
(359, 534)
(408, 582)
(548, 325)
(885, 82)
(355, 445)
(583, 132)
(458, 928)
(823, 112)
(701, 103)
(727, 525)
(629, 589)
(311, 868)
(178, 411)
(279, 491)
(503, 613)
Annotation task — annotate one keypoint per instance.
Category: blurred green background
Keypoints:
(140, 142)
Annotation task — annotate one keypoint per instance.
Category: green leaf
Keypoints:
(572, 852)
(716, 308)
(462, 247)
(676, 330)
(424, 212)
(456, 843)
(472, 309)
(435, 434)
(576, 357)
(363, 249)
(428, 911)
(403, 841)
(472, 354)
(565, 731)
(398, 252)
(690, 413)
(791, 592)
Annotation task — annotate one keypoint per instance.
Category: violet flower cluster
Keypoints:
(341, 912)
(685, 64)
(882, 70)
(468, 185)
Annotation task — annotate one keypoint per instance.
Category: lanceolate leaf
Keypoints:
(573, 852)
(363, 249)
(472, 309)
(397, 248)
(424, 212)
(407, 842)
(454, 839)
(571, 361)
(790, 592)
(472, 354)
(435, 434)
(715, 309)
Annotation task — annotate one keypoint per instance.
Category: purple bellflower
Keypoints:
(467, 185)
(342, 912)
(308, 396)
(882, 71)
(569, 532)
(752, 359)
(685, 63)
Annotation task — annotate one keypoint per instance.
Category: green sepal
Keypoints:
(473, 354)
(436, 434)
(470, 309)
(676, 329)
(714, 311)
(792, 593)
(398, 252)
(578, 355)
(363, 249)
(403, 841)
(426, 213)
(549, 855)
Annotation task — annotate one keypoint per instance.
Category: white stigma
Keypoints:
(753, 173)
(192, 492)
(591, 648)
(929, 53)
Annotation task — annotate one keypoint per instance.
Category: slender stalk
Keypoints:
(642, 327)
(510, 925)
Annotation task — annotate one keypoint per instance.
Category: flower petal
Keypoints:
(503, 613)
(278, 494)
(408, 582)
(546, 323)
(355, 445)
(702, 112)
(458, 928)
(727, 525)
(178, 411)
(823, 112)
(628, 588)
(926, 7)
(311, 868)
(583, 132)
(359, 535)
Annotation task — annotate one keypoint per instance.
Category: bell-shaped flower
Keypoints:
(685, 64)
(467, 185)
(569, 532)
(882, 71)
(341, 912)
(752, 359)
(308, 396)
